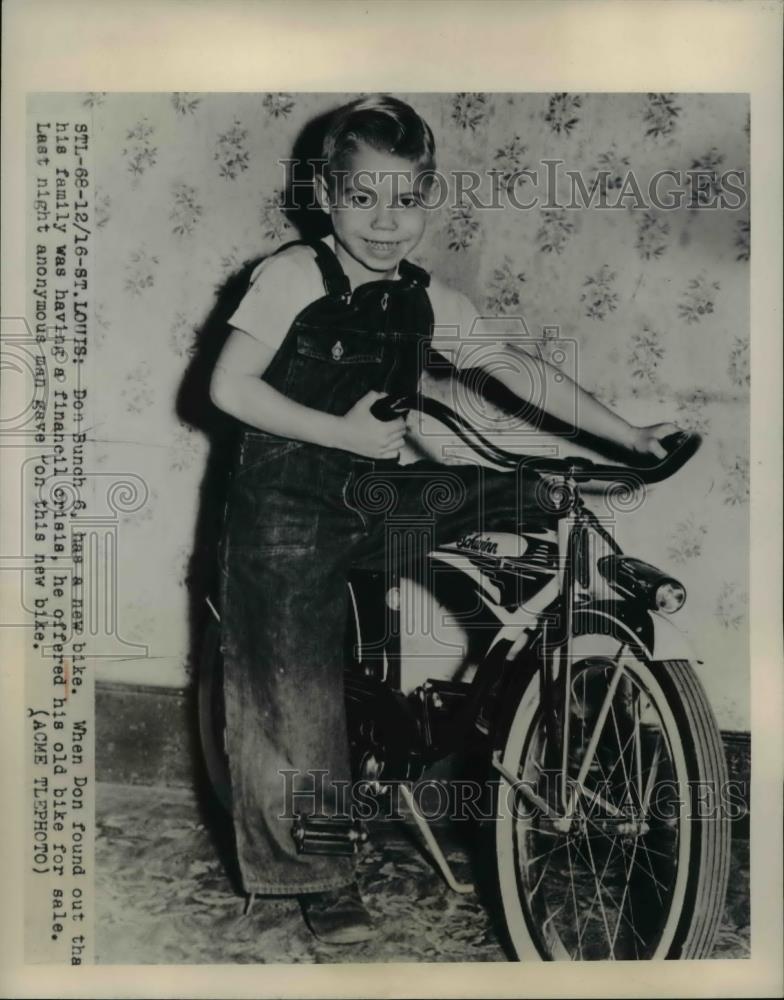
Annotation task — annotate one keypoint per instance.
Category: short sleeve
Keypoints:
(280, 288)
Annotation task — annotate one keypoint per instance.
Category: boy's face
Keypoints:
(376, 215)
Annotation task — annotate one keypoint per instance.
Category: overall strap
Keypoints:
(335, 281)
(412, 274)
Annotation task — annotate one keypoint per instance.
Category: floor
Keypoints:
(164, 896)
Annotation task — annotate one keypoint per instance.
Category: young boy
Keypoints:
(325, 330)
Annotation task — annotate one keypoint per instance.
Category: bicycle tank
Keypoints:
(481, 584)
(508, 569)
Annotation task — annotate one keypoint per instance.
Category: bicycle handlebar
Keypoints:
(680, 447)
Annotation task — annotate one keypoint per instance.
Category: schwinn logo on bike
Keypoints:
(476, 543)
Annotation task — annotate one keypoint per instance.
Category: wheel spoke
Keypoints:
(656, 882)
(623, 898)
(608, 858)
(622, 752)
(631, 898)
(606, 836)
(541, 877)
(574, 903)
(638, 746)
(546, 854)
(605, 890)
(600, 800)
(634, 865)
(605, 781)
(549, 919)
(660, 854)
(598, 894)
(606, 776)
(652, 775)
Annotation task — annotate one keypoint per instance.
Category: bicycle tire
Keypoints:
(699, 889)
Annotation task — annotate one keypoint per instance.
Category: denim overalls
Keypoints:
(298, 516)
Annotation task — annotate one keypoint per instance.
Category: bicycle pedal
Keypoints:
(333, 835)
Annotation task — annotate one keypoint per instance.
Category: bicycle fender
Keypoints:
(671, 642)
(656, 636)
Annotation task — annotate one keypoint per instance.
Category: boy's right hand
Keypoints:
(369, 437)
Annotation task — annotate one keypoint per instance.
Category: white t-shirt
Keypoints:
(282, 285)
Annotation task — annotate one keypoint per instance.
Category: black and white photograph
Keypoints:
(384, 467)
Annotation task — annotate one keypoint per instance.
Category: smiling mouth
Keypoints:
(383, 245)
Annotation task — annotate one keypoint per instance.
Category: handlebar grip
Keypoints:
(680, 447)
(388, 408)
(673, 441)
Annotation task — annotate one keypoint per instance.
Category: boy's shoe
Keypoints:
(338, 916)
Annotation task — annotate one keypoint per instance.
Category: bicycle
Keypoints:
(605, 763)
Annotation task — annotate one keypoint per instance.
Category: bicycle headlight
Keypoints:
(670, 597)
(640, 580)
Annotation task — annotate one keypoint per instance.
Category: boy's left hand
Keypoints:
(648, 439)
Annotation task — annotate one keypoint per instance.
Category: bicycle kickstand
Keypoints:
(432, 845)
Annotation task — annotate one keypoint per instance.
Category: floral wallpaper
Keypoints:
(189, 188)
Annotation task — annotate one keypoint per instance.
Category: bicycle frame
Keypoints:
(580, 599)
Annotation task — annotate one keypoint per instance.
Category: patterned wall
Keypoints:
(189, 188)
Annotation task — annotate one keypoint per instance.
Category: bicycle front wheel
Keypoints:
(616, 847)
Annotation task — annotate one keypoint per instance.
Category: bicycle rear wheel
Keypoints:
(628, 858)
